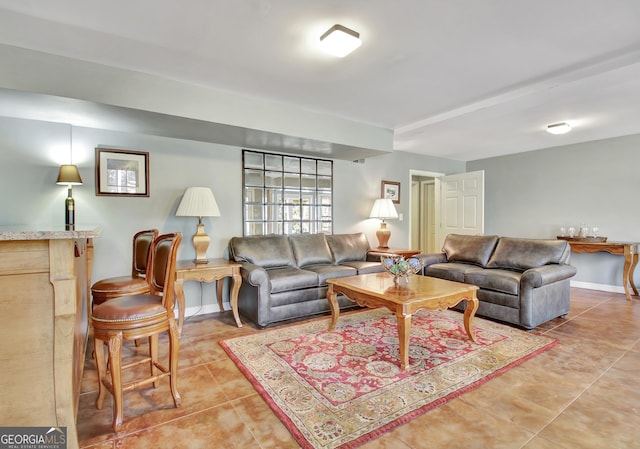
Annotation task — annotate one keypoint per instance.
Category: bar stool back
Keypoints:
(114, 287)
(134, 317)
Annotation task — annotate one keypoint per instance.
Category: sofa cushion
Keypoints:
(475, 249)
(266, 251)
(346, 247)
(291, 278)
(310, 249)
(505, 281)
(365, 267)
(330, 271)
(522, 254)
(450, 271)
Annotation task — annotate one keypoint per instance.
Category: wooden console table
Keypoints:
(628, 249)
(215, 270)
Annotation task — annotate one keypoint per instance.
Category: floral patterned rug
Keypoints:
(342, 388)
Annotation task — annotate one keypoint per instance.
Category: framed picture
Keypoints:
(122, 172)
(390, 190)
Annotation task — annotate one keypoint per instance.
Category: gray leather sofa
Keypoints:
(522, 281)
(284, 277)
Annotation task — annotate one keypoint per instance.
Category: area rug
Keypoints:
(343, 388)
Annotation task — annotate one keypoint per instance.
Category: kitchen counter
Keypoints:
(45, 277)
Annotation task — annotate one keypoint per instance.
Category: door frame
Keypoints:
(431, 174)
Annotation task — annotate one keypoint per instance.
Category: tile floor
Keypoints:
(582, 393)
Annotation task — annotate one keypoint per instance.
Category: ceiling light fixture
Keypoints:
(340, 41)
(559, 128)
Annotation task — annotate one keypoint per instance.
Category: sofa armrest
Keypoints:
(430, 259)
(546, 274)
(374, 256)
(253, 274)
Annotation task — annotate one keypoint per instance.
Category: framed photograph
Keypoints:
(122, 172)
(390, 190)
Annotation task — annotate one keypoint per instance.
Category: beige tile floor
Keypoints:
(582, 393)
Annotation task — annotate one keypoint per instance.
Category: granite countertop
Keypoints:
(47, 232)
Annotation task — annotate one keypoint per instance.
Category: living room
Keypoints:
(529, 193)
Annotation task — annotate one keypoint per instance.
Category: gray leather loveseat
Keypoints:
(284, 277)
(522, 281)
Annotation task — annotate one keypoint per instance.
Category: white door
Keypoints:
(461, 205)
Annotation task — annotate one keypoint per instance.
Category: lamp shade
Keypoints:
(69, 175)
(383, 208)
(198, 202)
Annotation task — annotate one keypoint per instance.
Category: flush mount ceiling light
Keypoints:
(559, 128)
(340, 41)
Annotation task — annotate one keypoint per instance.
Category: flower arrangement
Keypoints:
(399, 267)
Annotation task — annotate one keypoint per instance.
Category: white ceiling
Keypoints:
(460, 79)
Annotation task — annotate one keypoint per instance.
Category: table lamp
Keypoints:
(70, 176)
(199, 202)
(383, 209)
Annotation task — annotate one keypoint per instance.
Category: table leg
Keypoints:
(179, 291)
(627, 274)
(219, 285)
(404, 335)
(236, 280)
(335, 308)
(632, 269)
(469, 313)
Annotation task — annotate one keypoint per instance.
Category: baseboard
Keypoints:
(209, 308)
(599, 287)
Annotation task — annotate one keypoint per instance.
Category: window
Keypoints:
(286, 194)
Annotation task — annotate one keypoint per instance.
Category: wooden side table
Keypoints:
(215, 270)
(394, 251)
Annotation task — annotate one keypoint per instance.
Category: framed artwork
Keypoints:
(390, 190)
(122, 172)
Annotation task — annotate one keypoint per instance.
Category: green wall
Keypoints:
(532, 194)
(31, 152)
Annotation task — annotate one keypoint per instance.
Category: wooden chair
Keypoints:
(138, 282)
(138, 316)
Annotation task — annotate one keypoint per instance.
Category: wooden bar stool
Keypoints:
(137, 283)
(138, 316)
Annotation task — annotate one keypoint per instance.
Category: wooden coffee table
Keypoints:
(420, 292)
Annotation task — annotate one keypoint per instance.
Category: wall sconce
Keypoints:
(70, 176)
(199, 202)
(383, 209)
